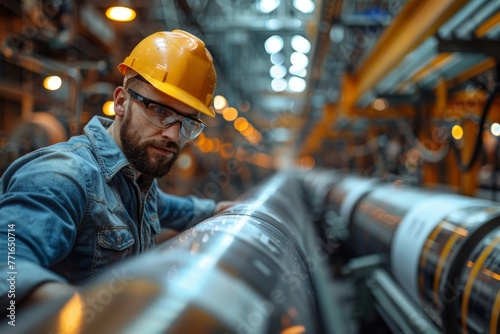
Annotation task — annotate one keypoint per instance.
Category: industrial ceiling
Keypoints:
(360, 51)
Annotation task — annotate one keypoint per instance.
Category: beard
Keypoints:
(155, 166)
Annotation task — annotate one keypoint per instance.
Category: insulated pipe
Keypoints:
(442, 248)
(335, 192)
(251, 269)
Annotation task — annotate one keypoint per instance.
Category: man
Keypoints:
(70, 210)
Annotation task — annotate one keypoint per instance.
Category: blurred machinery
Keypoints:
(427, 261)
(42, 129)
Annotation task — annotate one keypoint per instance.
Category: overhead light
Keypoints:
(301, 44)
(457, 132)
(220, 103)
(296, 84)
(52, 82)
(277, 71)
(299, 59)
(267, 6)
(230, 114)
(278, 85)
(305, 6)
(379, 104)
(273, 44)
(241, 124)
(278, 58)
(185, 161)
(248, 131)
(495, 129)
(337, 33)
(108, 108)
(121, 12)
(298, 71)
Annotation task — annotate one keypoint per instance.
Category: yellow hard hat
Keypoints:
(178, 64)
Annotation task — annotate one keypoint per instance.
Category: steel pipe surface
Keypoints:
(249, 269)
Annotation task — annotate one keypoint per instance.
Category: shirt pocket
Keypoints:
(114, 244)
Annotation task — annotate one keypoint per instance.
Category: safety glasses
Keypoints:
(163, 116)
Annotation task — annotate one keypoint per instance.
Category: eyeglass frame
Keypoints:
(180, 117)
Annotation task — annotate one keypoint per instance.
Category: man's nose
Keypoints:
(173, 132)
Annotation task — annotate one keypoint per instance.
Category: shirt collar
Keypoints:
(109, 155)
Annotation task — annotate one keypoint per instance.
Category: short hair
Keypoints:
(128, 75)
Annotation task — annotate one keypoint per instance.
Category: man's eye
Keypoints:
(158, 110)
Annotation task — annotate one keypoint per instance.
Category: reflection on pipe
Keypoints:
(443, 249)
(250, 269)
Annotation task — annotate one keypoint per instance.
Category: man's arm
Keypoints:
(47, 291)
(42, 196)
(180, 213)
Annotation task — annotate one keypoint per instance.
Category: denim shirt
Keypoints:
(74, 208)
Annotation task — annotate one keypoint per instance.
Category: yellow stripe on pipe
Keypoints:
(495, 313)
(425, 253)
(470, 281)
(442, 259)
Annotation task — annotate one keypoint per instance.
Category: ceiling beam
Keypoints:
(416, 22)
(472, 72)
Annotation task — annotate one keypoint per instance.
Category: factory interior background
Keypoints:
(388, 88)
(403, 91)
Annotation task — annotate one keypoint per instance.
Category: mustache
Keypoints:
(169, 145)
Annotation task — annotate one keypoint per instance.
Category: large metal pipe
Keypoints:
(254, 268)
(443, 249)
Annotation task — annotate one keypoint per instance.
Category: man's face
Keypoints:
(150, 149)
(143, 153)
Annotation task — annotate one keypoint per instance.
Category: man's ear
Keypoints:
(119, 97)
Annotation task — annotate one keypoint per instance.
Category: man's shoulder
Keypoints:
(67, 157)
(73, 149)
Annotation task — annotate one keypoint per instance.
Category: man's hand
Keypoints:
(166, 234)
(223, 205)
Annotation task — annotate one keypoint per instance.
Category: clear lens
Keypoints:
(163, 117)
